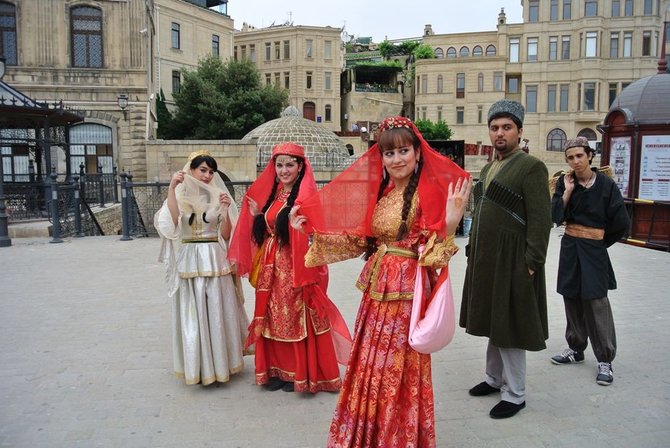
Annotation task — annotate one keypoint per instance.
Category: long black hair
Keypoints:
(281, 223)
(389, 139)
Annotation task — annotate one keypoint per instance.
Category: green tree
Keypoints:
(164, 118)
(434, 131)
(224, 101)
(423, 51)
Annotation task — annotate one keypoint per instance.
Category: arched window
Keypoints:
(91, 145)
(556, 140)
(477, 51)
(451, 52)
(8, 33)
(480, 82)
(439, 53)
(589, 133)
(440, 84)
(86, 34)
(491, 50)
(465, 52)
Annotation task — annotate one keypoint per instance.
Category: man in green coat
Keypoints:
(504, 296)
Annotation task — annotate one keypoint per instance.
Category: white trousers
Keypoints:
(506, 370)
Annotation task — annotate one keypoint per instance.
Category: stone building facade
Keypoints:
(306, 60)
(566, 62)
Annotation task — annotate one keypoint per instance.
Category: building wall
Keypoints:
(540, 72)
(298, 64)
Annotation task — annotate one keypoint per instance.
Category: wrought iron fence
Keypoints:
(75, 217)
(26, 201)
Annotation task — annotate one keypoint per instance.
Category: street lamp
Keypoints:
(122, 101)
(5, 240)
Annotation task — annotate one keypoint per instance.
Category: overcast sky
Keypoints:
(390, 19)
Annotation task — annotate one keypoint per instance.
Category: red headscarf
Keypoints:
(243, 247)
(348, 201)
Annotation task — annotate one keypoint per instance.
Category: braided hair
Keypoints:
(281, 222)
(396, 138)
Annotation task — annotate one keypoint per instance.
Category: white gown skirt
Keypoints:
(209, 329)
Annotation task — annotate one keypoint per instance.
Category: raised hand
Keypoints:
(253, 206)
(297, 221)
(177, 178)
(456, 203)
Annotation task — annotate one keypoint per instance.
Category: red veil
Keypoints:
(346, 204)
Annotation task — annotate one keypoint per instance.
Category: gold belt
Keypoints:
(383, 249)
(580, 231)
(200, 240)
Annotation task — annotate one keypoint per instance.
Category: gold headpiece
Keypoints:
(194, 154)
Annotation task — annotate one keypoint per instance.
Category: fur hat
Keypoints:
(507, 107)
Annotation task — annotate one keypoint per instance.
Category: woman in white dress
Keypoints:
(209, 323)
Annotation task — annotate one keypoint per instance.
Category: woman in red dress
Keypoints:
(298, 334)
(398, 196)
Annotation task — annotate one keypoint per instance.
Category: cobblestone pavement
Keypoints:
(85, 361)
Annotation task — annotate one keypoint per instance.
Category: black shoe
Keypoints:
(505, 409)
(288, 387)
(568, 356)
(274, 384)
(605, 376)
(483, 389)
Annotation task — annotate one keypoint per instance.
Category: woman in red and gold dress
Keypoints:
(399, 195)
(299, 335)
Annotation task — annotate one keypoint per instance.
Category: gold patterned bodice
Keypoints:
(387, 215)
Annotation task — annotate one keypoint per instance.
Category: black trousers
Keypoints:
(591, 320)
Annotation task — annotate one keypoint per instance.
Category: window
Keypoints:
(215, 47)
(308, 83)
(491, 50)
(252, 53)
(243, 52)
(533, 10)
(327, 77)
(308, 48)
(551, 98)
(497, 81)
(328, 113)
(460, 114)
(440, 84)
(277, 79)
(646, 43)
(614, 45)
(513, 84)
(553, 10)
(612, 92)
(465, 52)
(235, 52)
(591, 44)
(589, 96)
(480, 82)
(268, 51)
(439, 53)
(627, 44)
(8, 44)
(451, 52)
(287, 49)
(423, 112)
(176, 81)
(567, 9)
(480, 114)
(477, 51)
(287, 80)
(590, 8)
(628, 8)
(86, 28)
(514, 49)
(648, 7)
(616, 8)
(556, 140)
(418, 88)
(424, 83)
(91, 145)
(532, 49)
(439, 113)
(531, 98)
(460, 85)
(277, 50)
(565, 90)
(553, 48)
(268, 79)
(328, 49)
(565, 47)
